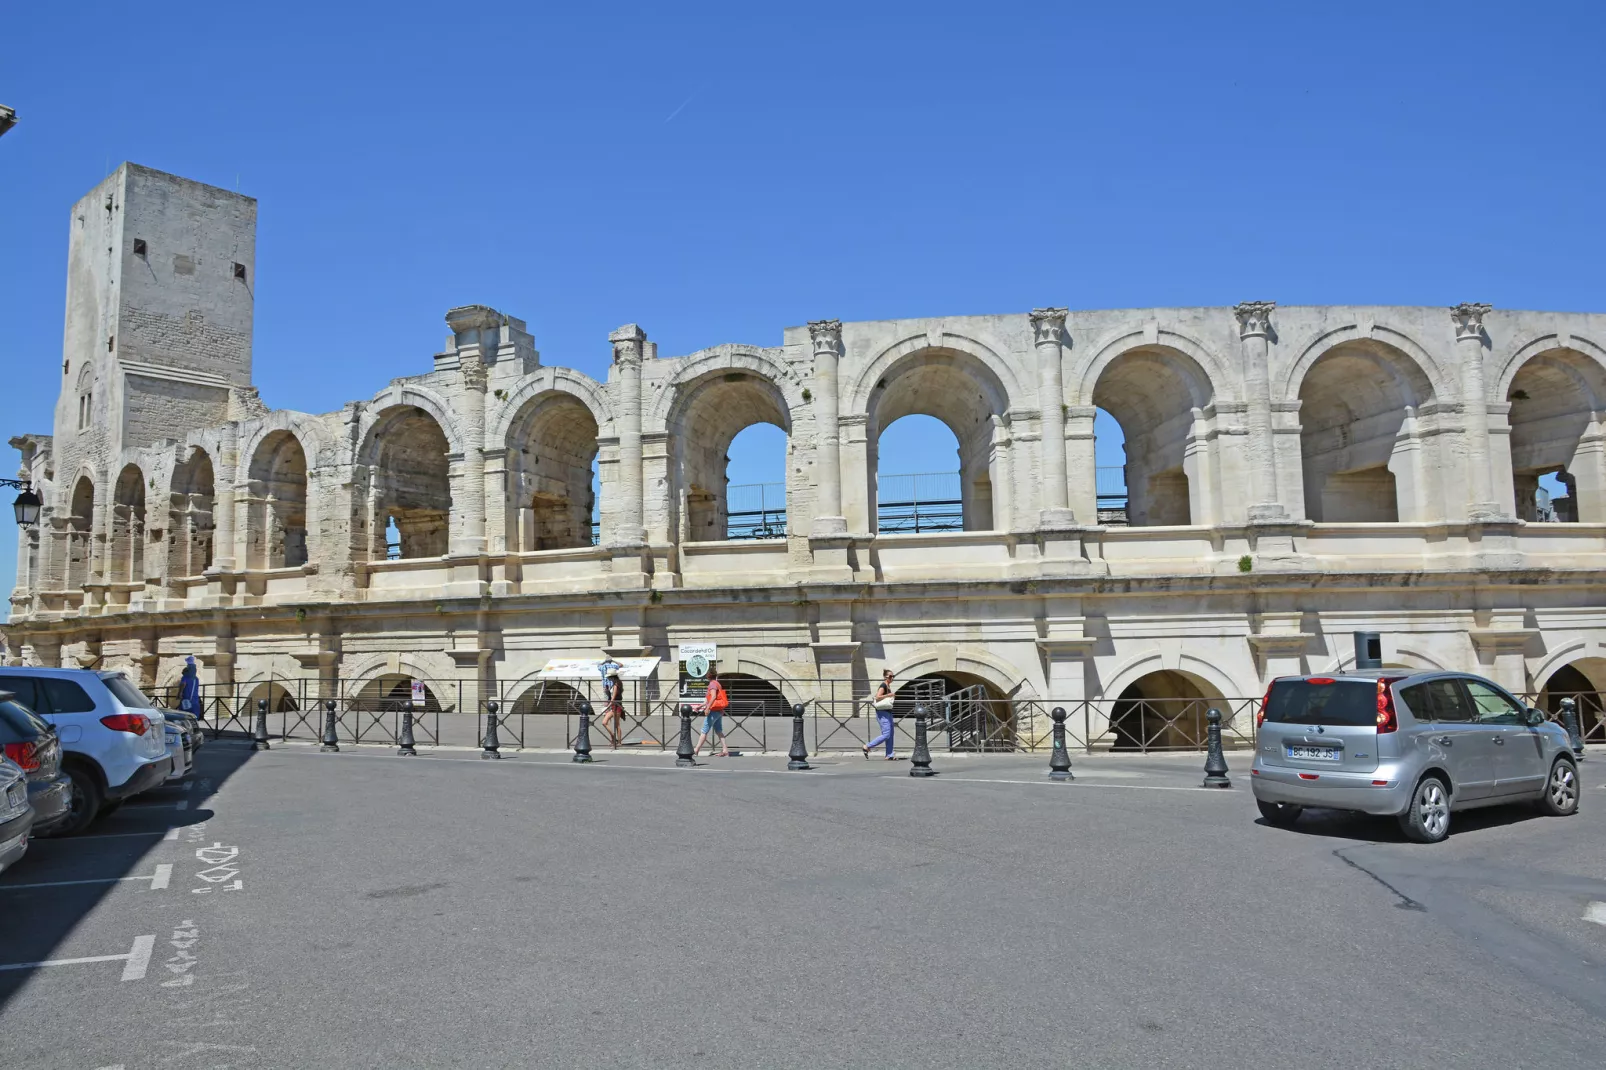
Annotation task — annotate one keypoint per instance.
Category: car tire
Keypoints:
(1283, 815)
(1427, 819)
(1560, 798)
(87, 799)
(110, 807)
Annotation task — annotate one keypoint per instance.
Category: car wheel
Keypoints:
(1427, 819)
(86, 801)
(1561, 790)
(111, 807)
(1283, 815)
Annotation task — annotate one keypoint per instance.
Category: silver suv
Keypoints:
(1413, 745)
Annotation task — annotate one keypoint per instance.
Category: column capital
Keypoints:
(1048, 325)
(1469, 320)
(827, 336)
(627, 343)
(1254, 318)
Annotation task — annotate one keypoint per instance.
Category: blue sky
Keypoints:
(715, 173)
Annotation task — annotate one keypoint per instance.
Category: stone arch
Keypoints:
(1001, 373)
(1086, 369)
(384, 405)
(281, 699)
(697, 368)
(307, 429)
(1580, 675)
(80, 530)
(392, 691)
(407, 453)
(190, 526)
(551, 380)
(551, 444)
(1002, 676)
(276, 502)
(1165, 709)
(125, 552)
(1289, 386)
(1556, 404)
(546, 697)
(1364, 406)
(1402, 657)
(711, 401)
(1216, 680)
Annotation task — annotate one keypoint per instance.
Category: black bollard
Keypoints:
(331, 736)
(259, 738)
(582, 739)
(493, 743)
(1059, 762)
(1569, 721)
(920, 762)
(1215, 762)
(799, 754)
(683, 752)
(404, 742)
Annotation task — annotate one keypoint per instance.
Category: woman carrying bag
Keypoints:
(883, 715)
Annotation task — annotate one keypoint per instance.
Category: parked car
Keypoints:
(1415, 746)
(112, 749)
(191, 723)
(179, 747)
(31, 744)
(16, 816)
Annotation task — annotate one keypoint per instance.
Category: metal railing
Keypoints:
(923, 501)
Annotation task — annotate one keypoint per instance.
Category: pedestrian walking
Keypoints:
(715, 702)
(883, 714)
(189, 689)
(613, 714)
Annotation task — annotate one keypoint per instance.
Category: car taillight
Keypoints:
(1321, 680)
(1260, 718)
(25, 754)
(136, 723)
(1386, 721)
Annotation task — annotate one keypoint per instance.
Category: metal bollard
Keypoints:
(1569, 721)
(798, 756)
(1059, 762)
(493, 742)
(920, 762)
(259, 738)
(582, 739)
(331, 737)
(404, 742)
(683, 751)
(1215, 762)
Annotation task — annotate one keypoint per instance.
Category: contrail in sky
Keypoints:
(685, 102)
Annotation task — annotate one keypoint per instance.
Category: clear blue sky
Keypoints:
(717, 173)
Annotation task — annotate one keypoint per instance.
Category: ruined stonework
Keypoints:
(1292, 474)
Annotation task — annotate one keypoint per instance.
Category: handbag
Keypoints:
(884, 703)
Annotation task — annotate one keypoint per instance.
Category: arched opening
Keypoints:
(704, 425)
(1577, 682)
(552, 454)
(961, 393)
(753, 696)
(1558, 449)
(919, 486)
(1157, 397)
(125, 558)
(409, 484)
(548, 697)
(80, 533)
(974, 714)
(1358, 440)
(280, 699)
(1163, 710)
(1109, 468)
(276, 503)
(393, 691)
(755, 488)
(190, 521)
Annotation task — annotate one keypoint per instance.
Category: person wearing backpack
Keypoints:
(715, 702)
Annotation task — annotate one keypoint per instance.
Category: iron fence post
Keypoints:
(331, 737)
(1215, 762)
(493, 744)
(259, 738)
(1569, 721)
(798, 756)
(582, 738)
(404, 742)
(683, 751)
(920, 762)
(1059, 762)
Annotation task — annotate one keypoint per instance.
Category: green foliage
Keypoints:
(1246, 563)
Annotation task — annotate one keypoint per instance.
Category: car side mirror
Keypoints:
(1535, 718)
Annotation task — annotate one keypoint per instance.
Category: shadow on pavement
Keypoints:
(1342, 824)
(36, 921)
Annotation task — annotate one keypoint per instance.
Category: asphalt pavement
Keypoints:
(299, 909)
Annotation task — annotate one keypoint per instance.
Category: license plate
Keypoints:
(17, 798)
(1322, 754)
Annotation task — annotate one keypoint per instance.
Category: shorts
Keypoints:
(714, 722)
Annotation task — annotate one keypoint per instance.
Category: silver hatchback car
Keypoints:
(1417, 746)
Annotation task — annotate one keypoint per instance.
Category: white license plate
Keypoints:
(1322, 754)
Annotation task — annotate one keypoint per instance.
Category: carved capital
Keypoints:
(1254, 318)
(1469, 320)
(627, 344)
(475, 374)
(827, 335)
(1048, 325)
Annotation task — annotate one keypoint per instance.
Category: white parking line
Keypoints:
(159, 880)
(1596, 912)
(135, 962)
(182, 804)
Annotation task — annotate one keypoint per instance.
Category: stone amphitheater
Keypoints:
(1292, 474)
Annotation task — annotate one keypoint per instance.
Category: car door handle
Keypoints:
(1443, 741)
(1500, 740)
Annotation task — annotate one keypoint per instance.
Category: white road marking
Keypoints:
(1052, 783)
(159, 880)
(1596, 912)
(135, 962)
(172, 833)
(182, 804)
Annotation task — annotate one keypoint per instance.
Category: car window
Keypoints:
(125, 692)
(22, 719)
(1490, 706)
(25, 691)
(1323, 700)
(65, 696)
(1437, 700)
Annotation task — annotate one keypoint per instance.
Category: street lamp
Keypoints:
(27, 504)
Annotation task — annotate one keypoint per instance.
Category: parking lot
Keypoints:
(293, 908)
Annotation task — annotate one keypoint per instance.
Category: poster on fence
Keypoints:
(418, 695)
(591, 668)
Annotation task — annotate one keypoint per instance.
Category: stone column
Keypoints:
(628, 342)
(1048, 332)
(828, 519)
(1474, 408)
(1254, 332)
(472, 484)
(223, 500)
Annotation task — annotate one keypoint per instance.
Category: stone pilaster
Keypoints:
(628, 342)
(1254, 334)
(828, 520)
(1469, 342)
(472, 485)
(1048, 333)
(228, 462)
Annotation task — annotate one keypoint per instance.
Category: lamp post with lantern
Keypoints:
(27, 504)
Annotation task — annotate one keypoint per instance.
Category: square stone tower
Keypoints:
(160, 272)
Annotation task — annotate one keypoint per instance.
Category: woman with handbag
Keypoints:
(883, 715)
(715, 702)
